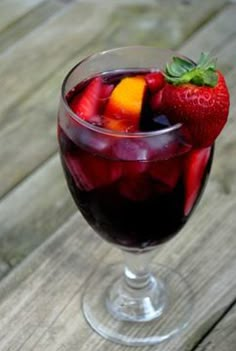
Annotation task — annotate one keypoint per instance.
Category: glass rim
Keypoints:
(102, 130)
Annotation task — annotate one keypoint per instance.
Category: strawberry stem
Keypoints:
(182, 70)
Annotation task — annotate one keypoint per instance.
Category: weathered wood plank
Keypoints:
(167, 28)
(22, 230)
(227, 61)
(42, 312)
(4, 268)
(33, 133)
(219, 38)
(41, 107)
(53, 44)
(25, 24)
(16, 235)
(223, 337)
(38, 114)
(36, 109)
(190, 252)
(32, 211)
(15, 66)
(213, 35)
(11, 10)
(76, 235)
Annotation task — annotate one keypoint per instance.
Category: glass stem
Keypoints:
(138, 295)
(137, 269)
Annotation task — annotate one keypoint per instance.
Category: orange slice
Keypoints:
(126, 99)
(121, 125)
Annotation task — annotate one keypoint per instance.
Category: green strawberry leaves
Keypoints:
(179, 66)
(182, 70)
(205, 62)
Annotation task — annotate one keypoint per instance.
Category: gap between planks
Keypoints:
(37, 317)
(11, 179)
(12, 10)
(223, 337)
(29, 21)
(185, 48)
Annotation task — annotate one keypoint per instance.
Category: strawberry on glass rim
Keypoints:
(196, 95)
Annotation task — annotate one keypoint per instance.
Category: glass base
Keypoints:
(164, 313)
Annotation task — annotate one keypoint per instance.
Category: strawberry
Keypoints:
(194, 170)
(86, 105)
(197, 96)
(156, 101)
(135, 188)
(155, 81)
(132, 168)
(90, 172)
(106, 91)
(166, 172)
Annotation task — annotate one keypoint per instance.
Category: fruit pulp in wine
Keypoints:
(138, 203)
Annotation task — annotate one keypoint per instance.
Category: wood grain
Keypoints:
(16, 66)
(213, 35)
(40, 298)
(32, 212)
(59, 249)
(5, 267)
(42, 312)
(59, 326)
(41, 109)
(23, 61)
(38, 115)
(34, 106)
(37, 16)
(11, 10)
(223, 337)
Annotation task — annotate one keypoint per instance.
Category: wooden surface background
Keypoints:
(47, 251)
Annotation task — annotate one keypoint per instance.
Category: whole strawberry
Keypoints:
(196, 95)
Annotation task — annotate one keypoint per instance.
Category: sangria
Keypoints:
(136, 131)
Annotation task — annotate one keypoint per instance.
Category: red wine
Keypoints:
(130, 201)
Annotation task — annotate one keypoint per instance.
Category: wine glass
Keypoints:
(136, 190)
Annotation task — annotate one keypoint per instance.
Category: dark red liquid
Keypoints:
(135, 204)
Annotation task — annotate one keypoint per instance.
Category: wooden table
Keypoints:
(47, 251)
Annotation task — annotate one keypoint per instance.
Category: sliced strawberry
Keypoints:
(86, 105)
(135, 188)
(155, 81)
(76, 170)
(90, 172)
(132, 168)
(120, 125)
(166, 173)
(156, 101)
(106, 90)
(194, 169)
